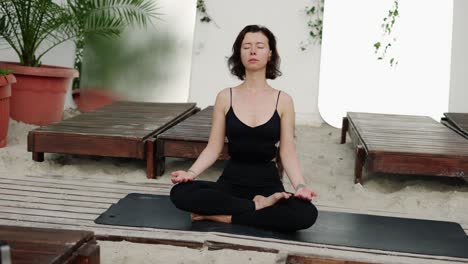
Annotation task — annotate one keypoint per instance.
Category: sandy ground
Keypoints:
(327, 166)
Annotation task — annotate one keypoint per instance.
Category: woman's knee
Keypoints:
(178, 194)
(305, 216)
(310, 215)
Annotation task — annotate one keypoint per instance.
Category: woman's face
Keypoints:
(255, 51)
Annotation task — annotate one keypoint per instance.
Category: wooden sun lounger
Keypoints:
(122, 129)
(458, 122)
(49, 246)
(404, 144)
(188, 139)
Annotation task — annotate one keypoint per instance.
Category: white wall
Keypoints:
(177, 21)
(459, 69)
(213, 44)
(352, 79)
(178, 18)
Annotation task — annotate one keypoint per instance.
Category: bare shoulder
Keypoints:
(223, 99)
(285, 102)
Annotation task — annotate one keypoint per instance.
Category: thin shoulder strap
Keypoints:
(277, 100)
(230, 90)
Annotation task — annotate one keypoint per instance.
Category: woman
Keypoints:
(249, 191)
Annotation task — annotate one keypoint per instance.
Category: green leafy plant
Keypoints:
(4, 72)
(382, 47)
(33, 27)
(314, 23)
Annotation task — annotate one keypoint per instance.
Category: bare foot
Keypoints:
(196, 217)
(216, 218)
(262, 201)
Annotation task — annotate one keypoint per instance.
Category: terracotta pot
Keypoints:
(5, 93)
(38, 97)
(90, 99)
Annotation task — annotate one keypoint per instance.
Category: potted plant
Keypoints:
(34, 27)
(6, 79)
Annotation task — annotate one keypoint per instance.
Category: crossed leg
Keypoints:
(269, 208)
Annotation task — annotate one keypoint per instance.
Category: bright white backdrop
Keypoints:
(352, 79)
(287, 20)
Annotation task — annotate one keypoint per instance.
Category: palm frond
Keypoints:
(33, 27)
(104, 26)
(132, 12)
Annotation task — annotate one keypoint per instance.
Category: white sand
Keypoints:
(327, 166)
(125, 252)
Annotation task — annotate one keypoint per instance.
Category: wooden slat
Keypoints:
(64, 191)
(188, 149)
(44, 246)
(120, 120)
(417, 134)
(300, 259)
(76, 214)
(117, 130)
(446, 123)
(62, 196)
(459, 121)
(63, 186)
(400, 133)
(194, 128)
(407, 145)
(91, 180)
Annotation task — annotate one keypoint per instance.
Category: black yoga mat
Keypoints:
(332, 228)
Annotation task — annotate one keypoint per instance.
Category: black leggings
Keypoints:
(221, 198)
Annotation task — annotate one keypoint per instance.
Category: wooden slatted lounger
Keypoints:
(122, 129)
(48, 246)
(458, 122)
(404, 144)
(188, 139)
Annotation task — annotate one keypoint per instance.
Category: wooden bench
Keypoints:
(404, 144)
(188, 139)
(50, 246)
(122, 129)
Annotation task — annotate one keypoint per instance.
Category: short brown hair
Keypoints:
(235, 64)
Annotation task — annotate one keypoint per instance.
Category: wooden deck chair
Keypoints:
(188, 139)
(47, 245)
(121, 129)
(404, 144)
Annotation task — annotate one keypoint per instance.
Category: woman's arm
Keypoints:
(288, 148)
(215, 142)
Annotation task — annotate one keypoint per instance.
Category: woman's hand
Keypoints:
(181, 176)
(303, 192)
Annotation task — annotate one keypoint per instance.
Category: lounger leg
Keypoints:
(89, 254)
(360, 157)
(150, 159)
(344, 129)
(160, 166)
(160, 160)
(38, 156)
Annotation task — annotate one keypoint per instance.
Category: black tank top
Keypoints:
(252, 144)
